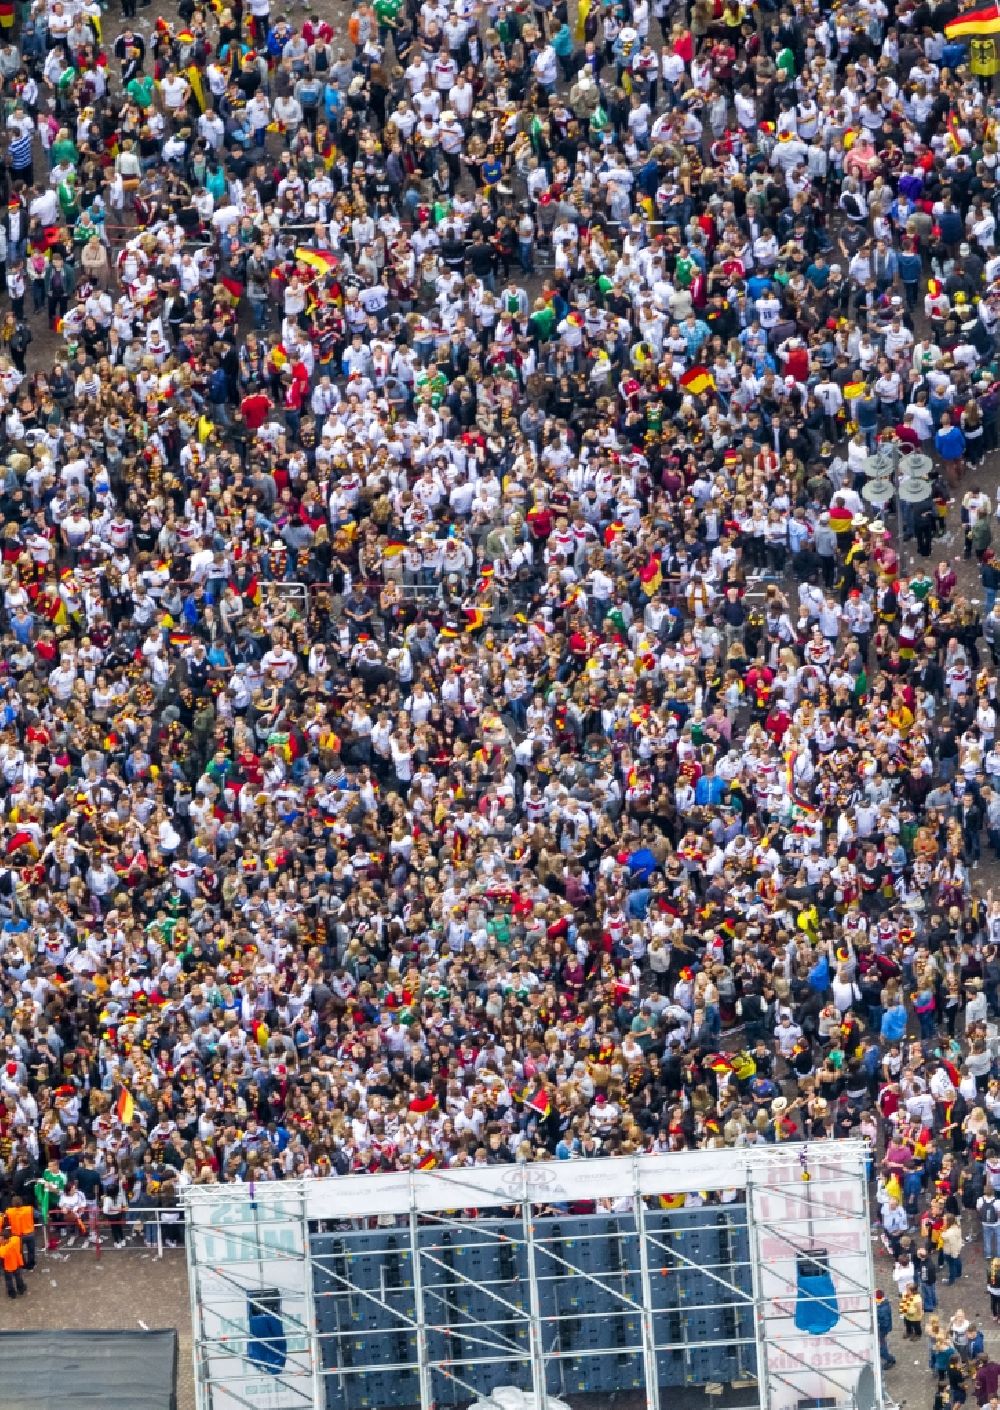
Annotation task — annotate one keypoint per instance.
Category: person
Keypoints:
(951, 1248)
(949, 441)
(989, 1215)
(903, 1271)
(113, 1208)
(21, 1221)
(926, 1271)
(883, 1323)
(987, 1371)
(956, 1375)
(912, 1313)
(10, 1256)
(49, 1187)
(71, 1213)
(959, 1330)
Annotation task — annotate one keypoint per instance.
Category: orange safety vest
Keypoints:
(21, 1218)
(10, 1252)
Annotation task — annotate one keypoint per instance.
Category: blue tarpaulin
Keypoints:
(816, 1309)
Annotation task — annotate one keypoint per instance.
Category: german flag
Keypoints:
(427, 1162)
(323, 261)
(540, 1102)
(125, 1107)
(853, 390)
(974, 24)
(22, 838)
(672, 1201)
(475, 619)
(651, 575)
(954, 133)
(178, 638)
(393, 548)
(697, 380)
(55, 610)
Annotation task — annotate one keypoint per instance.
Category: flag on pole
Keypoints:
(954, 133)
(974, 23)
(697, 380)
(323, 261)
(125, 1107)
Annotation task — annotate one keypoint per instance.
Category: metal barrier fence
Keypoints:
(152, 1230)
(148, 1229)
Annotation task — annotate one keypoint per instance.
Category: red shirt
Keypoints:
(255, 409)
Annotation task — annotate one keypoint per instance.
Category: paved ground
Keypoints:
(124, 1290)
(910, 1383)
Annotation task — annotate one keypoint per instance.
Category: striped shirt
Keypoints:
(20, 151)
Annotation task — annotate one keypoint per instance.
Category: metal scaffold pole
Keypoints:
(645, 1282)
(423, 1366)
(534, 1304)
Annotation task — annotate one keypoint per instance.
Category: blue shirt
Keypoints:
(950, 443)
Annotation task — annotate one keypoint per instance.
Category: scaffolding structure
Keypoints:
(744, 1276)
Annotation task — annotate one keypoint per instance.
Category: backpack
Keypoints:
(990, 1212)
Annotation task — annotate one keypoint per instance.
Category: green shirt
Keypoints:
(543, 320)
(387, 11)
(47, 1189)
(436, 385)
(64, 151)
(499, 928)
(140, 90)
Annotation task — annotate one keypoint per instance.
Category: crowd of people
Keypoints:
(458, 702)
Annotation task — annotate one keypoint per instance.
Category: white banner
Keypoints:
(551, 1181)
